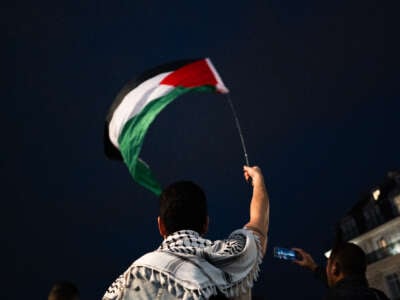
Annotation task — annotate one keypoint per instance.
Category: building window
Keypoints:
(349, 228)
(376, 193)
(382, 243)
(393, 283)
(372, 216)
(396, 202)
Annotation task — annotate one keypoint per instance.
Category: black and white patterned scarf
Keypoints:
(192, 267)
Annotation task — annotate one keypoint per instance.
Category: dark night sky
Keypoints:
(315, 84)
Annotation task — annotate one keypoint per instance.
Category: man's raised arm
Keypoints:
(259, 205)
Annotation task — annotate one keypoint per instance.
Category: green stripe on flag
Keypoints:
(132, 136)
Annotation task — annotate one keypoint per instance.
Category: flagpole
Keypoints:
(246, 157)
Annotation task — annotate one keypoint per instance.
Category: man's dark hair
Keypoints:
(183, 205)
(64, 290)
(350, 257)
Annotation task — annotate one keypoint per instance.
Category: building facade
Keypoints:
(374, 224)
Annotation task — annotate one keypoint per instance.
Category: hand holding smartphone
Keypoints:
(286, 254)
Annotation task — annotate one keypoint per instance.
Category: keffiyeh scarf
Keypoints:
(191, 267)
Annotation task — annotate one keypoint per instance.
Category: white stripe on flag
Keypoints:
(134, 102)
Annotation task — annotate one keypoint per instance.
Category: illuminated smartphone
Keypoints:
(286, 254)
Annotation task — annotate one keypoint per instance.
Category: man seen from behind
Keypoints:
(188, 266)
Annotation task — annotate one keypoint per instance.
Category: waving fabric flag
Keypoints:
(142, 99)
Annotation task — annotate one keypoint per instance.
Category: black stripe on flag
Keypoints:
(109, 149)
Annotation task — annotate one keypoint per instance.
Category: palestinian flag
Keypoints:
(142, 99)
